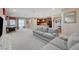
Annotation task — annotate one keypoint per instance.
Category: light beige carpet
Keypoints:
(24, 40)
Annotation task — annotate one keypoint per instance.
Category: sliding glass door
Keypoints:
(21, 23)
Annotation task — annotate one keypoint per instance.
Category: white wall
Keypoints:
(68, 29)
(34, 23)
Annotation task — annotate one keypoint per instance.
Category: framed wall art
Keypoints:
(70, 17)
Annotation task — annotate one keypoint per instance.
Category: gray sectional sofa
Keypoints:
(56, 44)
(45, 33)
(70, 43)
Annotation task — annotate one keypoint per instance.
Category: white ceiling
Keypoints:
(33, 12)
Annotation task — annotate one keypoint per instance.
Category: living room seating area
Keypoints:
(45, 33)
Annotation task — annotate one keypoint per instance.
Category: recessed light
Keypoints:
(53, 8)
(14, 10)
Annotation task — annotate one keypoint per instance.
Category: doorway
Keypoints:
(21, 23)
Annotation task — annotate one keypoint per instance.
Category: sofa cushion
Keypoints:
(73, 39)
(48, 35)
(39, 28)
(50, 47)
(40, 32)
(50, 30)
(44, 29)
(75, 47)
(60, 43)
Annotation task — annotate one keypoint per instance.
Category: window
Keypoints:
(21, 23)
(12, 23)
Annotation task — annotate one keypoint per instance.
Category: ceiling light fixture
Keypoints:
(53, 8)
(14, 10)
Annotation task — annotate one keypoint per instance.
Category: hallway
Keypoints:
(24, 40)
